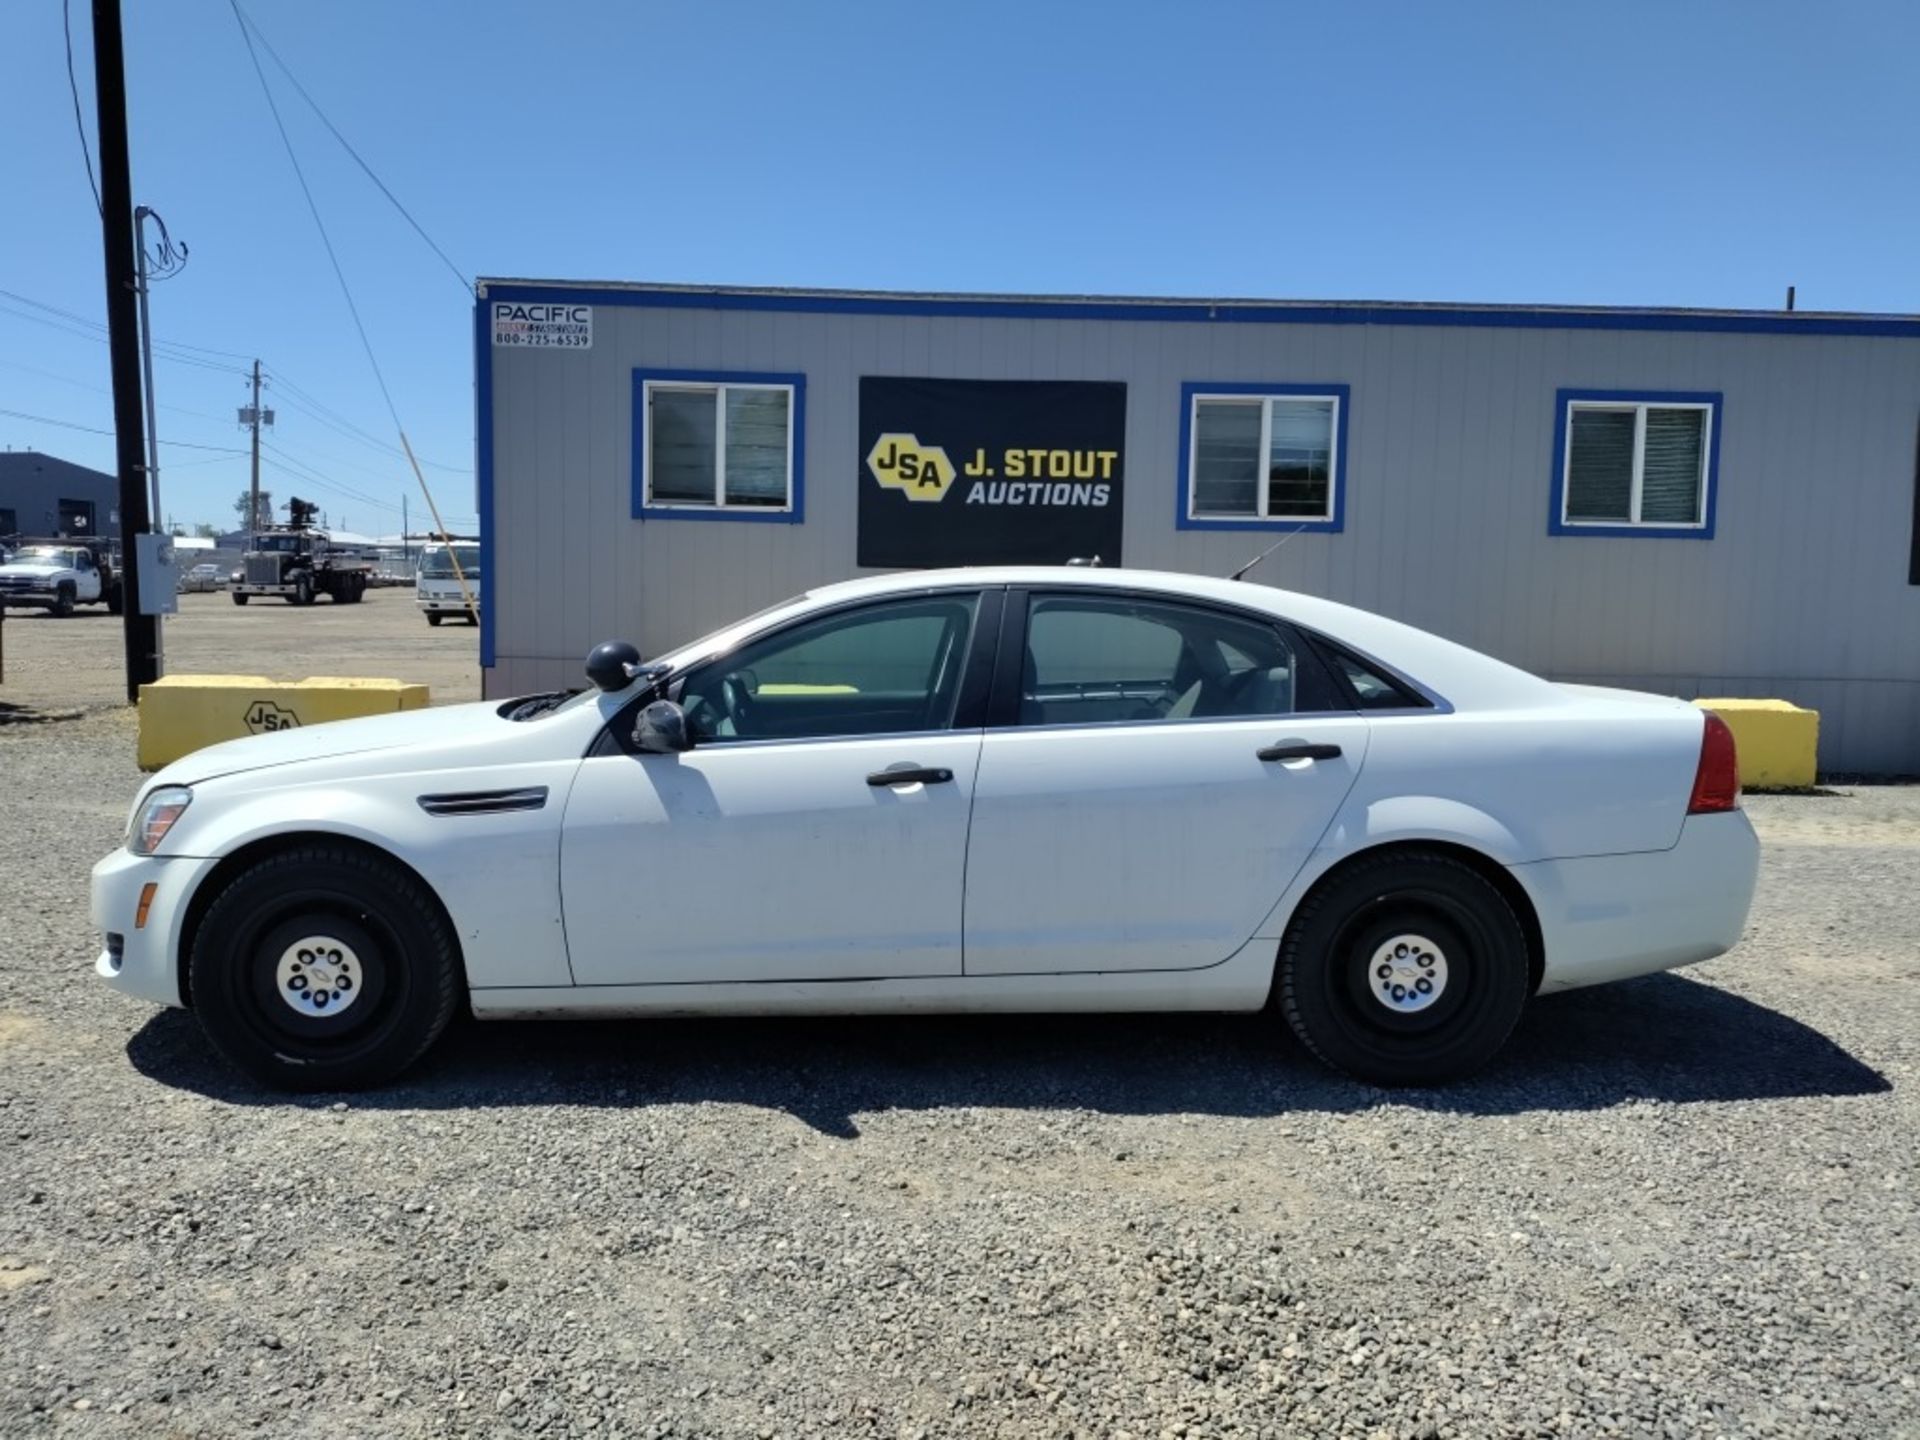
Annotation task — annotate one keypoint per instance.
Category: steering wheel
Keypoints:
(738, 703)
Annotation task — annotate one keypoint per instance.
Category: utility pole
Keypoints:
(251, 416)
(406, 548)
(142, 632)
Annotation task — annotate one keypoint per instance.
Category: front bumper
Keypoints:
(24, 596)
(1611, 917)
(146, 964)
(444, 605)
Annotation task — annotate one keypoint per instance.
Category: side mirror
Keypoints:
(608, 662)
(662, 729)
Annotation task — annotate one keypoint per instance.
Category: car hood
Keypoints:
(439, 728)
(36, 571)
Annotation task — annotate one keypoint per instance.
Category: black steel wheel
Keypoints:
(324, 968)
(1405, 969)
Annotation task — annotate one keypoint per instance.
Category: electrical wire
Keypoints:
(96, 430)
(305, 402)
(73, 87)
(247, 23)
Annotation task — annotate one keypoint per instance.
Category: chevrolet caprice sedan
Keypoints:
(1027, 789)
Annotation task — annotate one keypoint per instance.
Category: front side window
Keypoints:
(719, 446)
(1095, 660)
(1636, 464)
(1263, 455)
(882, 669)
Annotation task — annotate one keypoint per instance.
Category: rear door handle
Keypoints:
(910, 776)
(1298, 750)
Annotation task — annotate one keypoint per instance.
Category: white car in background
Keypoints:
(1026, 789)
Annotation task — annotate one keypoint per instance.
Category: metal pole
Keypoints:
(406, 550)
(142, 632)
(253, 500)
(146, 356)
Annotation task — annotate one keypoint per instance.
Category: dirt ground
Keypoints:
(79, 661)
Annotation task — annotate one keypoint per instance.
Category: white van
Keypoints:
(438, 589)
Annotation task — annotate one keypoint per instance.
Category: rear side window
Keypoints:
(1095, 660)
(1372, 687)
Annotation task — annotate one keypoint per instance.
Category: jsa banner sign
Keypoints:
(990, 472)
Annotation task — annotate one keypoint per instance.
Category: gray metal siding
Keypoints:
(32, 485)
(1802, 593)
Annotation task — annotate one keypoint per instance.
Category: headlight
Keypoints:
(156, 817)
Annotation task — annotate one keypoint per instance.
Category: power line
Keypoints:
(247, 23)
(313, 208)
(73, 88)
(96, 430)
(93, 324)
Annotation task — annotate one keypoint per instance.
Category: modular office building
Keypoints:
(1692, 502)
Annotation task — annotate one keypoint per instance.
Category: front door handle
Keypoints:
(1298, 750)
(910, 775)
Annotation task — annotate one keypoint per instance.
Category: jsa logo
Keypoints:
(264, 717)
(920, 472)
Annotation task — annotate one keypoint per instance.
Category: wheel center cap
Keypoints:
(1407, 974)
(318, 976)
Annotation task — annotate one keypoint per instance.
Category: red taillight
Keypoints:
(1716, 784)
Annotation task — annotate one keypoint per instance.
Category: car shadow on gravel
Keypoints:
(1663, 1039)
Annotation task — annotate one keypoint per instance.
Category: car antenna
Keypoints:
(1241, 572)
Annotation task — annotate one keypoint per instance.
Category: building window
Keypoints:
(718, 446)
(1262, 457)
(1630, 463)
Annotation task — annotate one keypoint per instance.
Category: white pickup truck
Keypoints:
(58, 577)
(437, 588)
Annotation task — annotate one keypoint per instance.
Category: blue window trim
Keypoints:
(1564, 400)
(483, 469)
(791, 516)
(1192, 389)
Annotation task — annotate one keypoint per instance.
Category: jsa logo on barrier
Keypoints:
(264, 717)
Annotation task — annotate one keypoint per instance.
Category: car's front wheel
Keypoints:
(1408, 968)
(324, 968)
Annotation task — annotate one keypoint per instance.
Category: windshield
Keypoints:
(47, 555)
(436, 565)
(281, 542)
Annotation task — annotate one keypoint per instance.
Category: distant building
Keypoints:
(43, 495)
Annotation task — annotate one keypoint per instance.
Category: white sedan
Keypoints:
(1022, 789)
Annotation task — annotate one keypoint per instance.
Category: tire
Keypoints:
(303, 590)
(1433, 921)
(116, 599)
(434, 617)
(241, 599)
(63, 599)
(374, 926)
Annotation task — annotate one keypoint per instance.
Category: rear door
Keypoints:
(1154, 775)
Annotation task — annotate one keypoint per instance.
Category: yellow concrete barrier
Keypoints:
(184, 713)
(1776, 741)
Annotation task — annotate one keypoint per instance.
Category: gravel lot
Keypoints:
(1681, 1206)
(57, 664)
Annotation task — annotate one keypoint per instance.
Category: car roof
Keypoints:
(1462, 677)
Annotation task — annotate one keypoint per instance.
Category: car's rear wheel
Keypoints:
(1409, 968)
(324, 968)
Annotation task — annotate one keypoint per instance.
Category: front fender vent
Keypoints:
(485, 802)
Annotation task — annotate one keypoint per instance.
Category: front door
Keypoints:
(1163, 777)
(818, 828)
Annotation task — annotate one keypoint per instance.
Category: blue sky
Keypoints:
(1620, 153)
